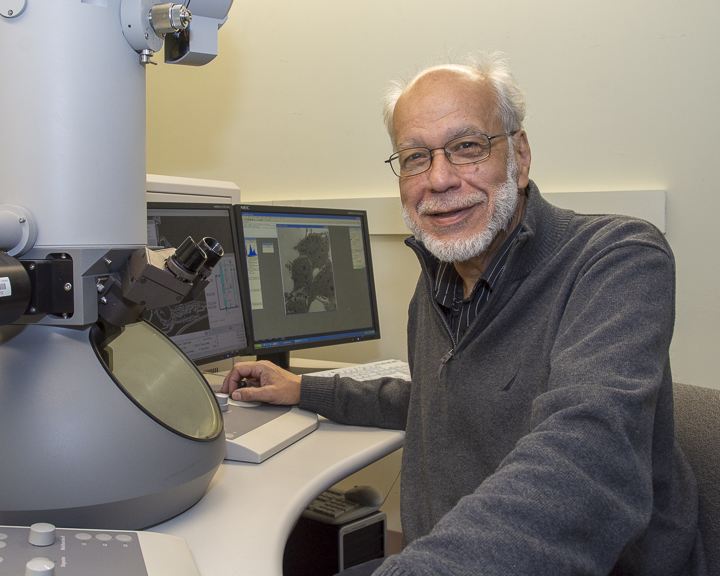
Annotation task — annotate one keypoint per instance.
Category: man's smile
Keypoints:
(449, 214)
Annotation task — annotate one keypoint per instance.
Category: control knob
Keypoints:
(40, 567)
(42, 534)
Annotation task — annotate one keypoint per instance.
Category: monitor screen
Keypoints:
(212, 326)
(307, 278)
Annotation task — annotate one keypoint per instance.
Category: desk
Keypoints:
(242, 523)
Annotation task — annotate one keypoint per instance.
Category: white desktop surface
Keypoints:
(242, 523)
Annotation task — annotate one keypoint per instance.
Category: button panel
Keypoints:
(76, 552)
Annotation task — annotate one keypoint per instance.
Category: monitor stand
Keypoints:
(281, 359)
(256, 431)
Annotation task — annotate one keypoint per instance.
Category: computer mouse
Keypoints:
(365, 495)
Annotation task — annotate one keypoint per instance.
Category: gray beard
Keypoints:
(505, 201)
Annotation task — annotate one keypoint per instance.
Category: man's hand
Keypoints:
(263, 382)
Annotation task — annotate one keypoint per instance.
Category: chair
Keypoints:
(697, 430)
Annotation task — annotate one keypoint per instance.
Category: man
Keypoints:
(539, 420)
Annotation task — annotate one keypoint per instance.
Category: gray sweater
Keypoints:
(542, 443)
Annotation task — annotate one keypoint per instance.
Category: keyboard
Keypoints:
(333, 507)
(371, 370)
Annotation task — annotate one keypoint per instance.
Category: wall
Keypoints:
(622, 96)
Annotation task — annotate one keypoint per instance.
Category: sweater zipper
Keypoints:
(450, 353)
(445, 359)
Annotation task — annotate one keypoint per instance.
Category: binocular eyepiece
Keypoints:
(191, 258)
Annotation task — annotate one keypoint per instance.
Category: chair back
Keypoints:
(697, 430)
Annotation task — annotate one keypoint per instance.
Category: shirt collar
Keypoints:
(449, 285)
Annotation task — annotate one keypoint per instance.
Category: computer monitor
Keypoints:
(211, 327)
(307, 278)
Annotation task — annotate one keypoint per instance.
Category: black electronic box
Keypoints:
(319, 549)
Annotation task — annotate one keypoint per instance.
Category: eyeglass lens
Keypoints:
(465, 150)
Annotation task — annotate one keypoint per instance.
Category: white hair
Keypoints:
(493, 68)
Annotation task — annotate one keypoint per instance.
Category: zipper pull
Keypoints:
(445, 359)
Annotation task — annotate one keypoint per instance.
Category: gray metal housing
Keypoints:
(76, 452)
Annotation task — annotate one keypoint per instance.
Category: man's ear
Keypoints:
(522, 158)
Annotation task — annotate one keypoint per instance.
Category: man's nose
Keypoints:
(443, 174)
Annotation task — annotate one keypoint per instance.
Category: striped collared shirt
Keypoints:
(459, 311)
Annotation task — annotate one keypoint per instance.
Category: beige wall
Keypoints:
(622, 96)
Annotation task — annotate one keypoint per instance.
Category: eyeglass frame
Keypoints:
(447, 154)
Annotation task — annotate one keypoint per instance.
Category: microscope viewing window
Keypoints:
(152, 371)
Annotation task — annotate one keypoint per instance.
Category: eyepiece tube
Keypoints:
(212, 249)
(189, 255)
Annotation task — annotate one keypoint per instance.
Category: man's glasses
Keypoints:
(460, 151)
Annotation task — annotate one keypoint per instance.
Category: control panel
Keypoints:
(44, 550)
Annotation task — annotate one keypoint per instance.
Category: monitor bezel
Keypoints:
(248, 349)
(276, 352)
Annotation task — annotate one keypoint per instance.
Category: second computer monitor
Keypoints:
(211, 327)
(307, 278)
